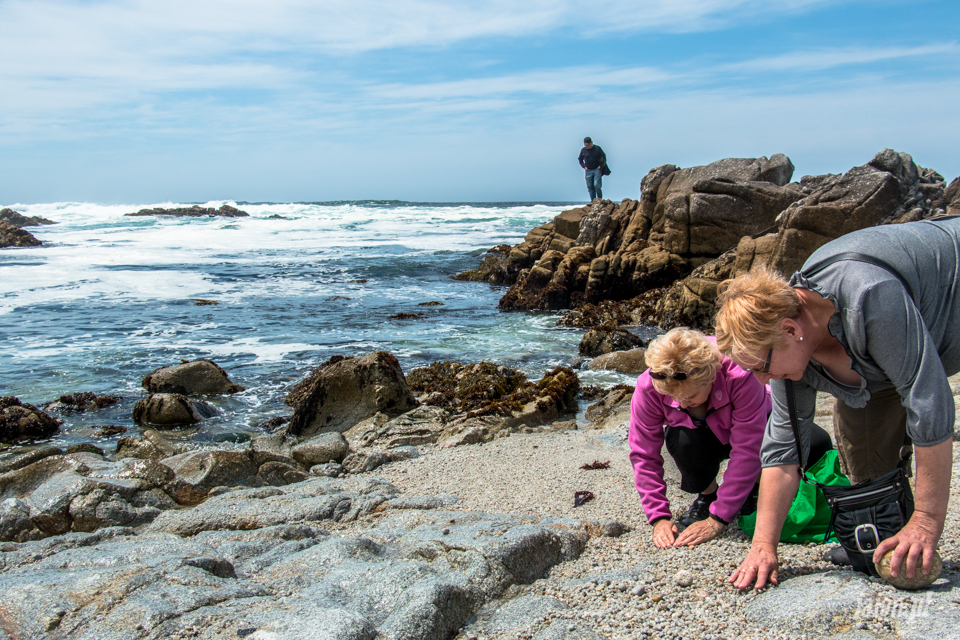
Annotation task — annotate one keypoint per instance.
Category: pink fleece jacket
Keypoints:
(738, 406)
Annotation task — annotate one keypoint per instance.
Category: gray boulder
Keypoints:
(322, 448)
(274, 447)
(195, 211)
(171, 409)
(191, 378)
(346, 391)
(149, 446)
(79, 492)
(20, 421)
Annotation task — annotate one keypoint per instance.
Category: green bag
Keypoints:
(809, 514)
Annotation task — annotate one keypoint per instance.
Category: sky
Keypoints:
(138, 101)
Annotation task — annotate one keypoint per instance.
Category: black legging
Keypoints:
(698, 454)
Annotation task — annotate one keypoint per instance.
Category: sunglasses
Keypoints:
(766, 365)
(680, 376)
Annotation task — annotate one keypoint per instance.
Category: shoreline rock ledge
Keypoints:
(659, 260)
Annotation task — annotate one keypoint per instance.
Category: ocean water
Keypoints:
(107, 299)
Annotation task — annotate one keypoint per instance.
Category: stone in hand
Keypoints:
(919, 580)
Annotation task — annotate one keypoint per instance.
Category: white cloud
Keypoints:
(827, 58)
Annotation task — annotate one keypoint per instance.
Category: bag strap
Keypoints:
(795, 424)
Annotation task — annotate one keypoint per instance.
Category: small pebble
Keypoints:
(639, 590)
(445, 532)
(656, 597)
(683, 578)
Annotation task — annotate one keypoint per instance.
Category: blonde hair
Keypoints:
(751, 308)
(682, 350)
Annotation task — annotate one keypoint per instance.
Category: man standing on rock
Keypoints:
(594, 161)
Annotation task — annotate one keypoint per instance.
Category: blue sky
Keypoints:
(184, 100)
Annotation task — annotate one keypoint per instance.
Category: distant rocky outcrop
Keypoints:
(17, 219)
(196, 211)
(659, 260)
(11, 236)
(191, 378)
(21, 421)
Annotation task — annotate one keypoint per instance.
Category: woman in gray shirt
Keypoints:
(883, 343)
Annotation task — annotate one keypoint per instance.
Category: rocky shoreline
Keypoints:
(438, 503)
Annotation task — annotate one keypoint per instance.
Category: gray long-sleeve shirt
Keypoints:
(892, 340)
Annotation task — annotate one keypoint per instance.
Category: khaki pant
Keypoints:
(871, 441)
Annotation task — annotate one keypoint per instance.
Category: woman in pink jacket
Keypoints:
(707, 409)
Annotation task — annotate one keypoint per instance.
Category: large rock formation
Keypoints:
(11, 236)
(189, 378)
(889, 189)
(685, 217)
(195, 211)
(345, 391)
(663, 257)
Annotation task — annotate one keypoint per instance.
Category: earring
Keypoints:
(801, 338)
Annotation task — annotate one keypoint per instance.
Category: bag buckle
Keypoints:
(870, 543)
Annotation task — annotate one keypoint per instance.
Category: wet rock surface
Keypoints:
(170, 409)
(191, 378)
(22, 421)
(81, 402)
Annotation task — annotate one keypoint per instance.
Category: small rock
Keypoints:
(638, 590)
(918, 581)
(683, 578)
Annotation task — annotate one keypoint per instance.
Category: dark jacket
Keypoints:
(592, 158)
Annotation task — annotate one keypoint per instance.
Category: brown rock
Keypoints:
(82, 402)
(193, 212)
(951, 197)
(341, 394)
(918, 581)
(11, 236)
(20, 421)
(632, 362)
(191, 378)
(607, 339)
(150, 446)
(19, 220)
(197, 472)
(170, 409)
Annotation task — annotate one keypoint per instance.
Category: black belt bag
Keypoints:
(864, 514)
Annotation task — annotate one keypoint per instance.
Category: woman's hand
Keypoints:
(664, 532)
(700, 532)
(760, 566)
(916, 542)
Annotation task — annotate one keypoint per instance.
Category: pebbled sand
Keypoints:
(537, 475)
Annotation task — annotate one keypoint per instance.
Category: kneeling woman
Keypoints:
(707, 409)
